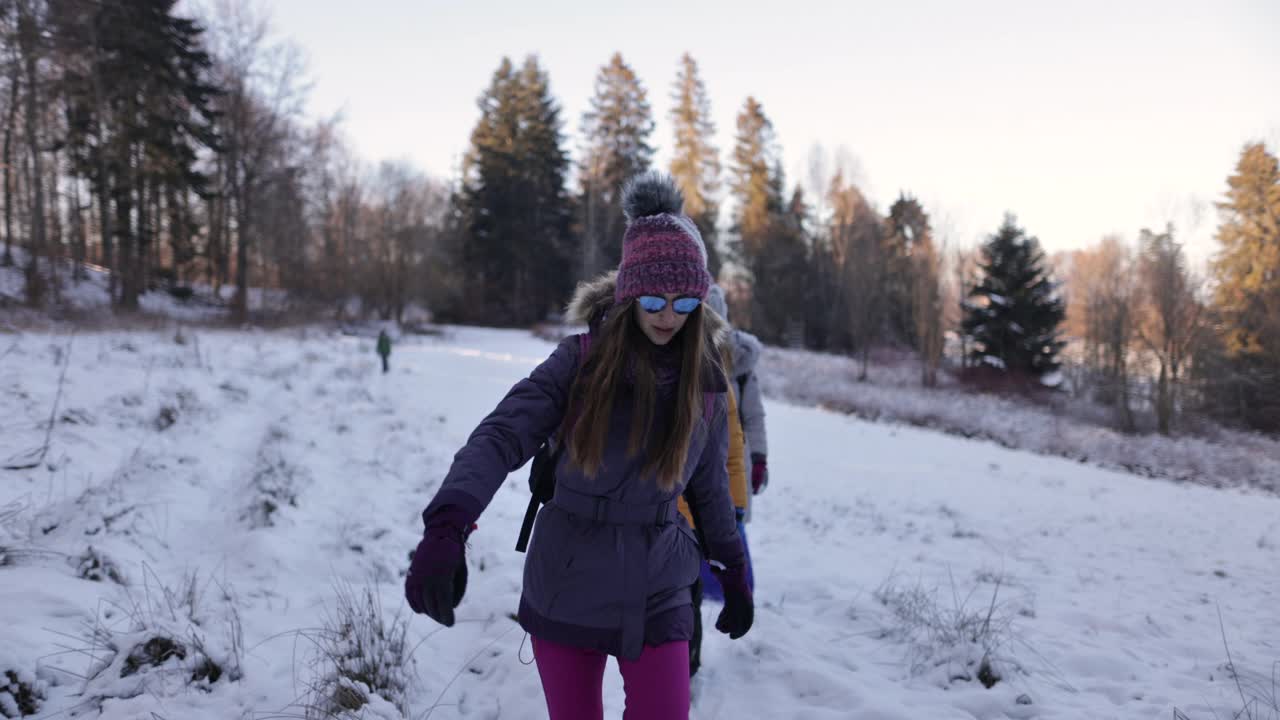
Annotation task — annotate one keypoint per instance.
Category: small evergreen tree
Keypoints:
(1013, 314)
(695, 162)
(754, 178)
(615, 135)
(906, 232)
(779, 269)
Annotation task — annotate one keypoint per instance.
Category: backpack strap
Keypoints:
(542, 474)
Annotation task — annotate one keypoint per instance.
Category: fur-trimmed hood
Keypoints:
(746, 351)
(593, 298)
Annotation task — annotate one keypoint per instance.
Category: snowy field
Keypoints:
(181, 551)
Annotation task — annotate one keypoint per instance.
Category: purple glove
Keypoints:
(739, 609)
(759, 473)
(437, 577)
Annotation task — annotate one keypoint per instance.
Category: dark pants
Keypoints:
(695, 642)
(385, 367)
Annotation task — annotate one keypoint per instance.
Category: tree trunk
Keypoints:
(125, 234)
(106, 227)
(142, 257)
(29, 36)
(216, 209)
(79, 243)
(56, 247)
(10, 121)
(1163, 406)
(240, 304)
(105, 181)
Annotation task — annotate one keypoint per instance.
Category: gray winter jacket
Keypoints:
(589, 582)
(746, 355)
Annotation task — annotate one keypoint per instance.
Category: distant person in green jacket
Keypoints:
(384, 348)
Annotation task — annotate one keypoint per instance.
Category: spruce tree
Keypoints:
(615, 136)
(1013, 314)
(140, 112)
(1248, 264)
(754, 178)
(1247, 299)
(780, 274)
(906, 231)
(515, 213)
(547, 211)
(695, 161)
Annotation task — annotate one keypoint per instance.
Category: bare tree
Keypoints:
(262, 98)
(963, 267)
(927, 307)
(1171, 317)
(1101, 299)
(818, 179)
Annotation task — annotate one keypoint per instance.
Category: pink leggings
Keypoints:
(656, 685)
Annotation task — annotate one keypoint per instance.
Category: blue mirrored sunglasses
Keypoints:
(655, 304)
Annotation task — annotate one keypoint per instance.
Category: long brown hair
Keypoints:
(621, 343)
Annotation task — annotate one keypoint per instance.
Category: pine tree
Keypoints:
(754, 178)
(1248, 264)
(513, 202)
(863, 285)
(1014, 312)
(695, 162)
(615, 135)
(140, 112)
(1248, 290)
(906, 231)
(779, 270)
(912, 292)
(547, 209)
(488, 179)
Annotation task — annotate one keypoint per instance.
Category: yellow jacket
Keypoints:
(737, 464)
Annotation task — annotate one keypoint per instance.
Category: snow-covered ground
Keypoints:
(1059, 425)
(276, 468)
(89, 296)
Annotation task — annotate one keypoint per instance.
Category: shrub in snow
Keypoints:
(184, 401)
(361, 663)
(166, 417)
(168, 639)
(949, 643)
(20, 694)
(96, 566)
(275, 482)
(1259, 693)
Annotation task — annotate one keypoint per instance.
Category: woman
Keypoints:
(642, 413)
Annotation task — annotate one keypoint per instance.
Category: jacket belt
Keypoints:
(607, 511)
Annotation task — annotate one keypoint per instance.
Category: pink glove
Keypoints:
(759, 473)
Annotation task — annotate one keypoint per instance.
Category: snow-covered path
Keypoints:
(276, 465)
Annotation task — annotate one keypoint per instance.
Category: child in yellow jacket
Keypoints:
(739, 490)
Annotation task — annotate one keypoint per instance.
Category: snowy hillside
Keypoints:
(183, 547)
(89, 297)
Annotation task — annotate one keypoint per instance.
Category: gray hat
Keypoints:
(715, 301)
